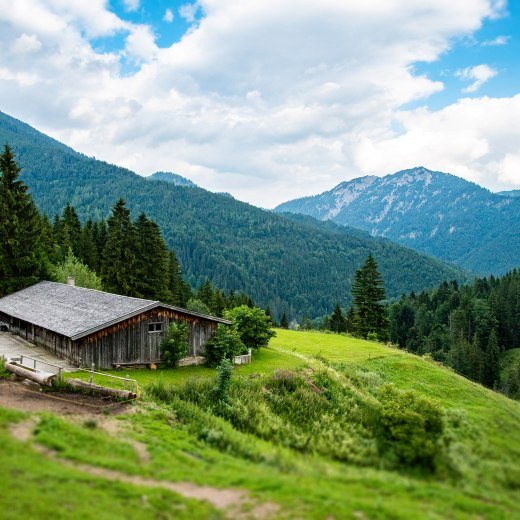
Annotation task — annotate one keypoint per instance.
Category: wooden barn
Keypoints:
(86, 326)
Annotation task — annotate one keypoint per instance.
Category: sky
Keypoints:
(271, 100)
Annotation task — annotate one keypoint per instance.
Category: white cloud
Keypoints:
(140, 44)
(479, 74)
(168, 16)
(25, 44)
(473, 138)
(188, 11)
(509, 169)
(499, 40)
(131, 5)
(261, 99)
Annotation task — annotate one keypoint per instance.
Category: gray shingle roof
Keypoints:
(75, 311)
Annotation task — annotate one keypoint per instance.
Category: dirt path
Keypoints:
(235, 503)
(25, 398)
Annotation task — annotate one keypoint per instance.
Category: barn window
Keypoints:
(155, 327)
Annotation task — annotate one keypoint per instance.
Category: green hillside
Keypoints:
(297, 442)
(300, 267)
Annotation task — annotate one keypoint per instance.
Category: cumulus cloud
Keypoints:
(188, 11)
(261, 99)
(26, 44)
(499, 40)
(140, 44)
(479, 74)
(168, 16)
(131, 5)
(509, 169)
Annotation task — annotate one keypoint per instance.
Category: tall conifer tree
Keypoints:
(368, 291)
(337, 320)
(21, 255)
(152, 260)
(180, 291)
(119, 264)
(284, 323)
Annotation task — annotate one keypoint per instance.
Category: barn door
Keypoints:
(155, 339)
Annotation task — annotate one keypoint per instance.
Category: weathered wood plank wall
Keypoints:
(129, 341)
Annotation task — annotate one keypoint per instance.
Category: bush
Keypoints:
(252, 324)
(372, 336)
(224, 371)
(83, 276)
(4, 374)
(409, 428)
(225, 344)
(197, 306)
(176, 344)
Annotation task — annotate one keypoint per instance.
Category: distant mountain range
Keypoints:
(298, 265)
(172, 178)
(433, 212)
(510, 193)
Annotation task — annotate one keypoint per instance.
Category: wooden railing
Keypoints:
(34, 362)
(244, 359)
(129, 384)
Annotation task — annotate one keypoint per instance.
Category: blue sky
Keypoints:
(496, 44)
(271, 100)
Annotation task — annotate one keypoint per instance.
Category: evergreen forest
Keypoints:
(292, 264)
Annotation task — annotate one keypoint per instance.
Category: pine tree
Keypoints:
(70, 219)
(152, 260)
(284, 323)
(368, 291)
(21, 255)
(337, 320)
(350, 320)
(475, 359)
(119, 271)
(48, 240)
(88, 252)
(180, 291)
(205, 293)
(218, 303)
(491, 370)
(100, 234)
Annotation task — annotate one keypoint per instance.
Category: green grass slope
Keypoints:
(294, 431)
(507, 359)
(301, 267)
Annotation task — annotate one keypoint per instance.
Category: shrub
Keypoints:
(4, 374)
(224, 371)
(372, 336)
(409, 428)
(252, 324)
(225, 344)
(175, 347)
(83, 276)
(197, 306)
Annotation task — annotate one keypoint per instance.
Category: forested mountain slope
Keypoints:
(437, 213)
(301, 267)
(173, 178)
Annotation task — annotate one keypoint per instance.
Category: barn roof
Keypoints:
(76, 312)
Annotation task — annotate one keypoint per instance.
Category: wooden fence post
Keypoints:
(92, 373)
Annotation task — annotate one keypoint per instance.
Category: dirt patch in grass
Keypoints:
(18, 396)
(235, 503)
(23, 430)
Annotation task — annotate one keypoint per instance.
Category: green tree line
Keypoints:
(117, 255)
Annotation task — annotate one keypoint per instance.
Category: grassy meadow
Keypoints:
(309, 428)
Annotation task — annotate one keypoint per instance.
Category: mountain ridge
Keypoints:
(299, 268)
(434, 212)
(173, 178)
